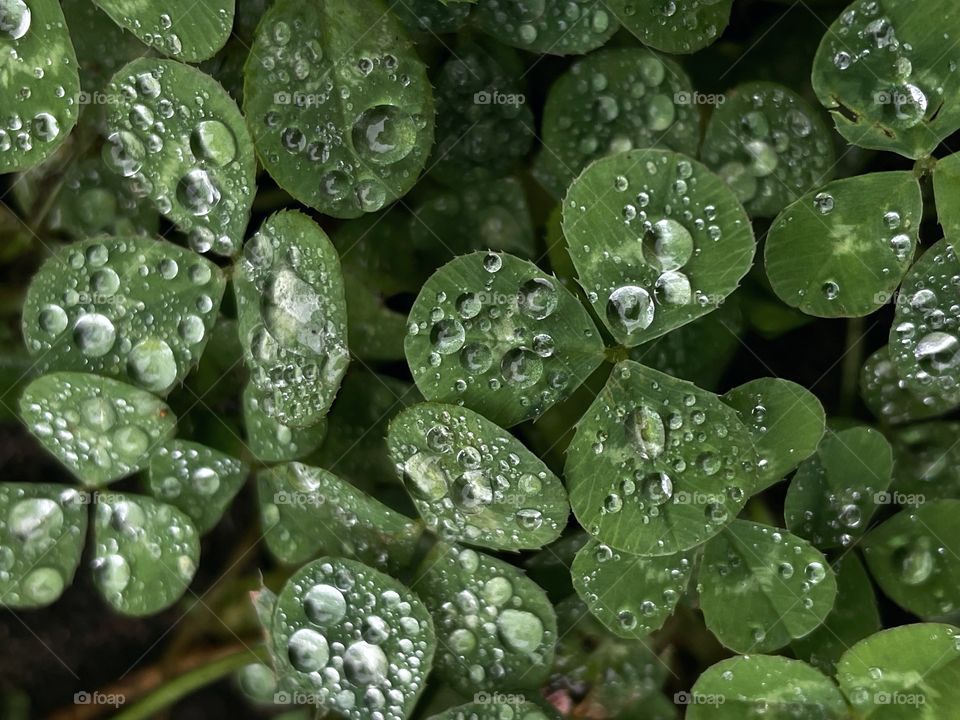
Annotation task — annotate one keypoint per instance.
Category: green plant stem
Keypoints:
(190, 681)
(850, 368)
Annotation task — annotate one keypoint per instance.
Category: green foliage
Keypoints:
(832, 255)
(473, 482)
(534, 320)
(658, 465)
(343, 159)
(657, 240)
(493, 332)
(194, 160)
(39, 82)
(135, 309)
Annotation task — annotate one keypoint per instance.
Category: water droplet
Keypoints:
(630, 308)
(384, 134)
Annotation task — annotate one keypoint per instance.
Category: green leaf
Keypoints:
(546, 26)
(778, 583)
(355, 446)
(271, 441)
(179, 139)
(307, 511)
(187, 30)
(342, 157)
(926, 463)
(631, 595)
(484, 125)
(764, 685)
(658, 465)
(102, 46)
(673, 27)
(886, 73)
(604, 671)
(93, 201)
(610, 101)
(42, 531)
(854, 617)
(100, 429)
(494, 709)
(905, 672)
(924, 346)
(913, 556)
(769, 146)
(131, 308)
(890, 398)
(657, 239)
(832, 254)
(357, 641)
(197, 480)
(680, 352)
(473, 481)
(494, 332)
(497, 629)
(946, 187)
(293, 318)
(434, 17)
(39, 82)
(835, 493)
(146, 553)
(491, 215)
(786, 420)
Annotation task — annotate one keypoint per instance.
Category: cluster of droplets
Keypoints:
(273, 441)
(95, 423)
(842, 514)
(925, 341)
(354, 169)
(767, 147)
(134, 536)
(88, 305)
(692, 22)
(487, 629)
(298, 346)
(579, 23)
(465, 479)
(497, 337)
(36, 537)
(21, 133)
(615, 101)
(668, 576)
(358, 645)
(654, 445)
(865, 35)
(161, 129)
(188, 470)
(662, 248)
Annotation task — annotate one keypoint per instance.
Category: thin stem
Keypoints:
(850, 369)
(190, 681)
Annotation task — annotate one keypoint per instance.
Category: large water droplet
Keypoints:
(384, 134)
